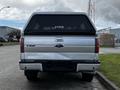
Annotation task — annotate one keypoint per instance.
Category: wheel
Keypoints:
(31, 75)
(87, 77)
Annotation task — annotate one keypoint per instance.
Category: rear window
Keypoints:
(45, 24)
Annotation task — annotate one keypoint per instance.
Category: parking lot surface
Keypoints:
(11, 78)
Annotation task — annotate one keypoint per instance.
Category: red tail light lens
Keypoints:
(22, 45)
(96, 45)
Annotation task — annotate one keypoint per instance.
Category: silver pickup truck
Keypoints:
(59, 42)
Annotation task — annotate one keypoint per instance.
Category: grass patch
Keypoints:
(110, 67)
(8, 43)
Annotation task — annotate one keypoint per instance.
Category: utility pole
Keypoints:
(89, 7)
(91, 10)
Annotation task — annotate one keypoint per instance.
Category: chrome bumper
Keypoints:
(87, 67)
(38, 66)
(30, 66)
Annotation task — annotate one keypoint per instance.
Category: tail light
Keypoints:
(22, 45)
(96, 45)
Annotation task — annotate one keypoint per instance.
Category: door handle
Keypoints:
(59, 45)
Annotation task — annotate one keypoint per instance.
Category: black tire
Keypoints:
(31, 75)
(87, 77)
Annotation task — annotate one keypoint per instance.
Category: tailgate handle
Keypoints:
(59, 45)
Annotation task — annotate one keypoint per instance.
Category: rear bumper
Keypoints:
(70, 66)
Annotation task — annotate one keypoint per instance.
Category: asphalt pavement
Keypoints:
(11, 78)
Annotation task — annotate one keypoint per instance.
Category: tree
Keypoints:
(15, 33)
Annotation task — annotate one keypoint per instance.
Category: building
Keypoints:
(5, 31)
(107, 40)
(115, 32)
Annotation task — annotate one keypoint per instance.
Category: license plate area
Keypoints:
(58, 66)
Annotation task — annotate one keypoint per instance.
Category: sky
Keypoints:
(107, 12)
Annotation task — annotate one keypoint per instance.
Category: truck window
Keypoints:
(45, 24)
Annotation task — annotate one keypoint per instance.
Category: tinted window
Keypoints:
(59, 25)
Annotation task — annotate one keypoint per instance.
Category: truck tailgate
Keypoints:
(69, 47)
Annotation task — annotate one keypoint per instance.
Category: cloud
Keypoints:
(54, 6)
(77, 5)
(106, 10)
(13, 23)
(109, 10)
(22, 9)
(13, 14)
(31, 2)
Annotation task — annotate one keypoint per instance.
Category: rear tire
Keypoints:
(31, 75)
(87, 77)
